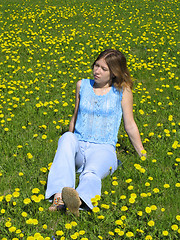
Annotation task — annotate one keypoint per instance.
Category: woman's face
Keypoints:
(101, 72)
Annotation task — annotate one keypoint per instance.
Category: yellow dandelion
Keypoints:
(59, 233)
(156, 190)
(140, 213)
(124, 208)
(119, 222)
(151, 223)
(165, 233)
(101, 217)
(29, 155)
(27, 201)
(130, 234)
(121, 233)
(129, 180)
(114, 183)
(44, 136)
(174, 227)
(68, 226)
(148, 210)
(148, 237)
(111, 233)
(3, 211)
(153, 207)
(24, 214)
(122, 197)
(35, 190)
(96, 209)
(143, 158)
(105, 206)
(8, 224)
(44, 226)
(73, 223)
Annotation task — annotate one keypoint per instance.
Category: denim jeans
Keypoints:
(93, 162)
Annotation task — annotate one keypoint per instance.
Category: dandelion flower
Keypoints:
(59, 233)
(130, 187)
(153, 207)
(95, 209)
(174, 227)
(27, 201)
(148, 237)
(3, 211)
(35, 190)
(29, 155)
(122, 197)
(44, 136)
(156, 190)
(73, 223)
(114, 183)
(148, 210)
(12, 229)
(140, 213)
(130, 234)
(165, 233)
(8, 224)
(129, 180)
(24, 214)
(124, 208)
(44, 226)
(105, 206)
(68, 226)
(111, 233)
(121, 233)
(151, 223)
(119, 222)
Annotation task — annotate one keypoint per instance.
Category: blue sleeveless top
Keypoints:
(99, 117)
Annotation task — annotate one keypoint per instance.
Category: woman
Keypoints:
(89, 146)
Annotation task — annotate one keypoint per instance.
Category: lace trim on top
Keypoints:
(99, 116)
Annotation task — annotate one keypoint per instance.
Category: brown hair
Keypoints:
(116, 62)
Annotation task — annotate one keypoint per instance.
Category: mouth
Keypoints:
(95, 76)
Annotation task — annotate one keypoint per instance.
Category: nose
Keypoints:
(97, 69)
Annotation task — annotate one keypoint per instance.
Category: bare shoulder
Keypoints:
(78, 85)
(127, 94)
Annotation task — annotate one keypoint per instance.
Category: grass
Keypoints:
(46, 47)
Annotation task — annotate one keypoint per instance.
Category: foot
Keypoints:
(58, 203)
(71, 200)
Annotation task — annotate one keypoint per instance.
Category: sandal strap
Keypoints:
(57, 201)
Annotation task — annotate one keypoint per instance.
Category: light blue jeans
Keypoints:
(93, 162)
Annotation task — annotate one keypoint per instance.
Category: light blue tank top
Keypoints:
(99, 117)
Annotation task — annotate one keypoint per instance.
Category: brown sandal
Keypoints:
(57, 205)
(71, 200)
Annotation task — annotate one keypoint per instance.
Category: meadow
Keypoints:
(45, 48)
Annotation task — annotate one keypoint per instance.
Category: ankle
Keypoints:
(58, 195)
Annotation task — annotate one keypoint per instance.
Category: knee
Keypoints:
(89, 174)
(68, 138)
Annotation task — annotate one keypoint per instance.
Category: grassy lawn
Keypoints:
(46, 47)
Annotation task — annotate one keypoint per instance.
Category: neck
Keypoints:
(107, 85)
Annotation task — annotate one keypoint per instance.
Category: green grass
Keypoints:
(46, 47)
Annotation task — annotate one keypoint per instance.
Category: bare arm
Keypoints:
(74, 117)
(129, 123)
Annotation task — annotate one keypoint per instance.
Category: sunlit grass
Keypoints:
(46, 47)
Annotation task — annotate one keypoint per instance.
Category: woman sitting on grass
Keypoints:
(89, 146)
